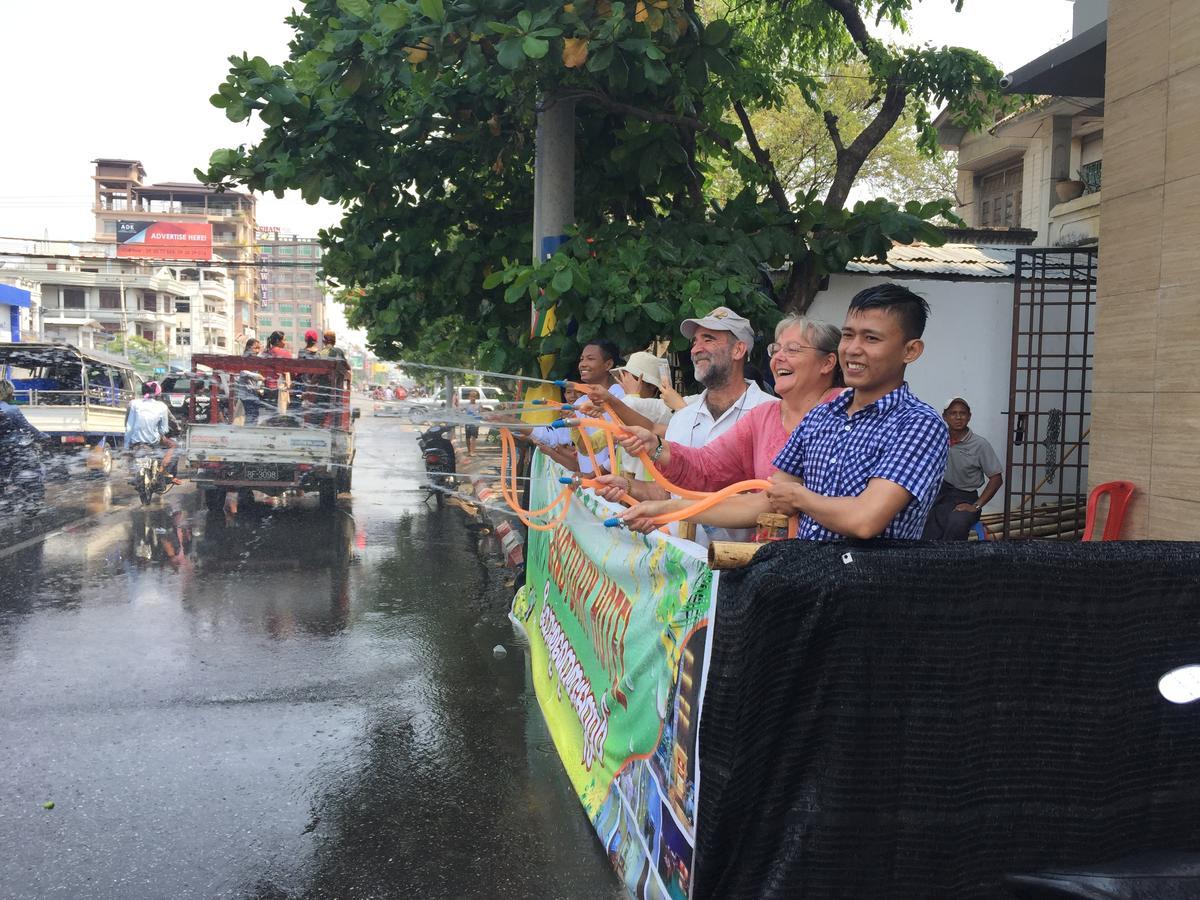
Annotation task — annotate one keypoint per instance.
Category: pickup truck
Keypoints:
(296, 435)
(489, 397)
(77, 397)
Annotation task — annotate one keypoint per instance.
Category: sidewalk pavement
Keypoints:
(483, 483)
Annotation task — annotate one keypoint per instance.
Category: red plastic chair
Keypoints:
(1119, 493)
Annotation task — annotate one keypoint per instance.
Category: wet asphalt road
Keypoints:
(288, 704)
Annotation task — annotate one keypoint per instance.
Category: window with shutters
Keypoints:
(1000, 198)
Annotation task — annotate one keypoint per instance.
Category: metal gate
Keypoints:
(1050, 393)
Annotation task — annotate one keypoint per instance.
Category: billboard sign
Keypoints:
(164, 240)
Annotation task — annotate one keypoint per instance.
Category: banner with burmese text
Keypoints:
(618, 628)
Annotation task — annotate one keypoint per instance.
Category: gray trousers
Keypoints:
(944, 524)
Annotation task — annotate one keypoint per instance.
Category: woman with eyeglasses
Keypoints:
(804, 361)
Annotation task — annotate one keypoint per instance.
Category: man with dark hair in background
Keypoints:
(329, 346)
(867, 464)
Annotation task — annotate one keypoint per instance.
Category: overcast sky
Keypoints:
(132, 80)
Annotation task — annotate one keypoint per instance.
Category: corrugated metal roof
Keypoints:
(969, 260)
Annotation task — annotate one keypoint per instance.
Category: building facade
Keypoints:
(83, 295)
(1132, 73)
(121, 193)
(16, 305)
(1040, 168)
(293, 295)
(1147, 387)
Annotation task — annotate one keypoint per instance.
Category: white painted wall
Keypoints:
(968, 346)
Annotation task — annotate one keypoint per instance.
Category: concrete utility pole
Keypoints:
(553, 178)
(553, 199)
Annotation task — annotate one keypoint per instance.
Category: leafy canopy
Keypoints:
(417, 117)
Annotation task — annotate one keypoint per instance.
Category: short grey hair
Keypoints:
(7, 391)
(821, 335)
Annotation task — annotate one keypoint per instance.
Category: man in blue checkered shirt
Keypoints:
(867, 464)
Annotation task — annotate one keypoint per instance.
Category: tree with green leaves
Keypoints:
(145, 356)
(797, 139)
(417, 117)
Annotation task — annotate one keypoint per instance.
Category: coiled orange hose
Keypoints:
(703, 500)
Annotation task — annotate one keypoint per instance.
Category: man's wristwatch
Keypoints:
(657, 450)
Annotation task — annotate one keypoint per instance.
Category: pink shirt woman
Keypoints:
(804, 363)
(746, 451)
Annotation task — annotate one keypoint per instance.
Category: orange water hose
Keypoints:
(703, 500)
(508, 449)
(508, 478)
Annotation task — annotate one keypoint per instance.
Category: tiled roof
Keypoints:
(972, 260)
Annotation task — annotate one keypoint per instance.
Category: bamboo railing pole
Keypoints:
(731, 554)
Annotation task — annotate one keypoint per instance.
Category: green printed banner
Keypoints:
(618, 627)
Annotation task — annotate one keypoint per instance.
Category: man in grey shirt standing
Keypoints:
(971, 463)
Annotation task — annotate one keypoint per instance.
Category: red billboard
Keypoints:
(165, 240)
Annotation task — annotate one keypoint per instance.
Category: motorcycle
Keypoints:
(148, 478)
(439, 457)
(22, 477)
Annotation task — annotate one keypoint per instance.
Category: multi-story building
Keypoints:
(293, 295)
(86, 296)
(18, 298)
(1040, 168)
(121, 194)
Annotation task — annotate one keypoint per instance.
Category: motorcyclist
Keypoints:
(148, 423)
(20, 460)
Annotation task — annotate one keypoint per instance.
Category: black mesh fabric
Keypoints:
(925, 718)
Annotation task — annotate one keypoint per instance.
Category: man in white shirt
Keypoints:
(721, 341)
(147, 421)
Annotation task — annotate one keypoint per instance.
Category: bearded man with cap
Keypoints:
(721, 342)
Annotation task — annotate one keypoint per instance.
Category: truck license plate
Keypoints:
(263, 473)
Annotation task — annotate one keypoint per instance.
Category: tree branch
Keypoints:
(854, 23)
(850, 159)
(695, 185)
(835, 134)
(763, 158)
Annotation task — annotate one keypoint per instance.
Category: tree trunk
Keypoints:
(801, 290)
(804, 279)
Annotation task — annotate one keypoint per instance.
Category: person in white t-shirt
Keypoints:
(147, 422)
(597, 361)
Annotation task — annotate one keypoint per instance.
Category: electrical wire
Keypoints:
(156, 262)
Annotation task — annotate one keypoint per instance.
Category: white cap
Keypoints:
(721, 319)
(645, 366)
